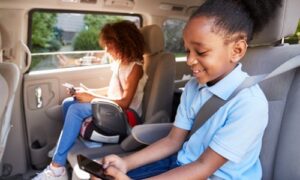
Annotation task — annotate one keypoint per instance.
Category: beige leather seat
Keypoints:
(3, 87)
(9, 79)
(3, 96)
(160, 68)
(157, 102)
(280, 155)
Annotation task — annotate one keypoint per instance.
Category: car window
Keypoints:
(172, 29)
(63, 39)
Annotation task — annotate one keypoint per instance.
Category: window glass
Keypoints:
(173, 37)
(295, 38)
(69, 39)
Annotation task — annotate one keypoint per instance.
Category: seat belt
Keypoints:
(214, 103)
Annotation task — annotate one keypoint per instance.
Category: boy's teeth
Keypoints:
(197, 71)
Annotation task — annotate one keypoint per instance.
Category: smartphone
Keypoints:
(71, 88)
(92, 167)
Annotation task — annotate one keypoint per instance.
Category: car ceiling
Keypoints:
(166, 8)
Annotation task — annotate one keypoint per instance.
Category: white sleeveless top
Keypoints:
(119, 79)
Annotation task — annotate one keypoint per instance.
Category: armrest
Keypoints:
(131, 143)
(150, 133)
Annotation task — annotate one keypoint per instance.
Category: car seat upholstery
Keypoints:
(280, 155)
(159, 90)
(3, 87)
(3, 95)
(9, 77)
(160, 68)
(157, 101)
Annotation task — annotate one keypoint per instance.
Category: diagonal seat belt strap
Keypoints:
(214, 103)
(208, 109)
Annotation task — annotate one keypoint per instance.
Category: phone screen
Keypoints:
(92, 167)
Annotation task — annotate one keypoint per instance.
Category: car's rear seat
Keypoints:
(282, 95)
(280, 154)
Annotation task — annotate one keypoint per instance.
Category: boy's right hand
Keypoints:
(115, 161)
(116, 173)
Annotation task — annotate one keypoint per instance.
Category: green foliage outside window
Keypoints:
(98, 21)
(43, 37)
(87, 39)
(295, 38)
(298, 31)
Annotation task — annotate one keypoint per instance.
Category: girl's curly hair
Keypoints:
(125, 38)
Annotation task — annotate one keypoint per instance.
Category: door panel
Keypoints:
(43, 94)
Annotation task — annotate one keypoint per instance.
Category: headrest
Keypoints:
(5, 41)
(154, 39)
(284, 23)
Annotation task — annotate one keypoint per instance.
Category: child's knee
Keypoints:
(68, 100)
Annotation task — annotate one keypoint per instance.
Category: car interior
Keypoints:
(31, 92)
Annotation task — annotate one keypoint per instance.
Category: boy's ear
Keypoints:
(238, 51)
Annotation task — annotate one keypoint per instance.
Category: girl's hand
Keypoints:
(116, 162)
(83, 96)
(71, 91)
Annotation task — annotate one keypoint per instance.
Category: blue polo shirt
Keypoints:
(235, 131)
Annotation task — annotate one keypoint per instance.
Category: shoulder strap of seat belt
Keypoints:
(214, 103)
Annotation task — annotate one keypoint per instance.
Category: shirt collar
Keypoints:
(226, 86)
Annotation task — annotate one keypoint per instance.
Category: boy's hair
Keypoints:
(125, 38)
(246, 17)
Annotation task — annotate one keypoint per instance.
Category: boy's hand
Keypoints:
(116, 173)
(116, 162)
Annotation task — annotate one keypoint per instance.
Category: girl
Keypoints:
(228, 144)
(124, 42)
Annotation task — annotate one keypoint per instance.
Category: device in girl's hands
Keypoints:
(92, 167)
(70, 87)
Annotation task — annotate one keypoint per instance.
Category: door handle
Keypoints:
(38, 97)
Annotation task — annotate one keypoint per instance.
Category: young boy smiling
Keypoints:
(228, 144)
